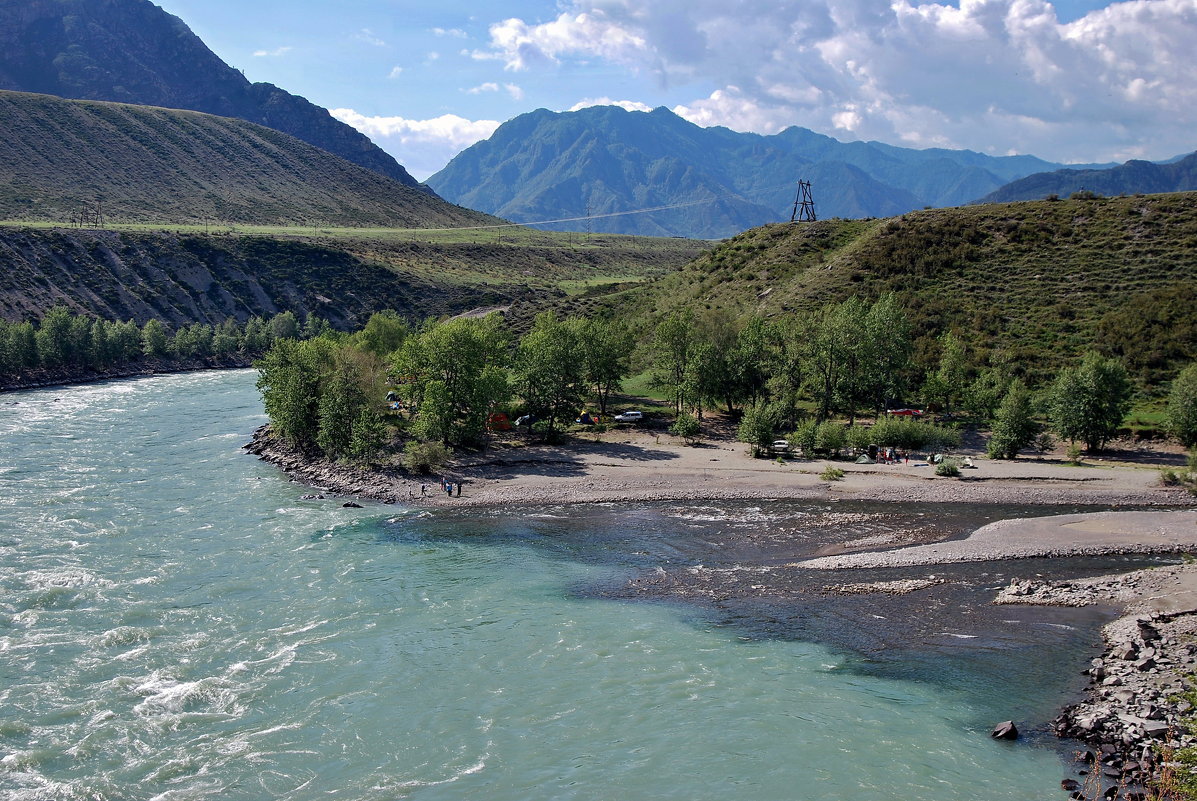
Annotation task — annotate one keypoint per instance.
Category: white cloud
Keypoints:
(514, 91)
(395, 72)
(275, 53)
(366, 35)
(627, 105)
(992, 75)
(422, 146)
(519, 45)
(456, 33)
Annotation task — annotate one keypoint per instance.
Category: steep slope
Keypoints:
(1133, 177)
(160, 165)
(1039, 281)
(181, 277)
(607, 161)
(131, 51)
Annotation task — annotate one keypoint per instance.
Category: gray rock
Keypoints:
(1006, 730)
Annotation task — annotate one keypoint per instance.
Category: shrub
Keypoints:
(831, 473)
(1182, 407)
(831, 438)
(687, 427)
(1074, 453)
(804, 437)
(424, 457)
(949, 468)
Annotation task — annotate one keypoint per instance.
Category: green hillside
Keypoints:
(157, 165)
(1038, 281)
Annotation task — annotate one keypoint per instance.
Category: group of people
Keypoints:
(447, 487)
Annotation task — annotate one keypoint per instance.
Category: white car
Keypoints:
(629, 417)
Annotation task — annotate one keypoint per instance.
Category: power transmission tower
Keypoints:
(804, 204)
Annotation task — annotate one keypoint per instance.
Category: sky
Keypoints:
(1076, 81)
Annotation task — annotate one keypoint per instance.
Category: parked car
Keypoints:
(780, 446)
(629, 417)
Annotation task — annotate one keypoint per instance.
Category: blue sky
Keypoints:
(1073, 81)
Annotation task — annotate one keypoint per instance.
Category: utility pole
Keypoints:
(588, 222)
(804, 204)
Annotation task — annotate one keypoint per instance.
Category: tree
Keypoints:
(369, 435)
(342, 400)
(687, 427)
(673, 348)
(1088, 402)
(289, 380)
(154, 340)
(54, 347)
(606, 350)
(453, 373)
(1013, 427)
(284, 326)
(551, 369)
(1182, 407)
(383, 334)
(946, 385)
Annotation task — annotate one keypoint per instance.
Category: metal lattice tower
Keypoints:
(804, 204)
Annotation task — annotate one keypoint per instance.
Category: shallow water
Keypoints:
(176, 623)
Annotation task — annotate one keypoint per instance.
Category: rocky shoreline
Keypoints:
(1138, 711)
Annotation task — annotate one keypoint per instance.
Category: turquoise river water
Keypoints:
(177, 623)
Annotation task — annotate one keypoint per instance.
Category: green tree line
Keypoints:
(65, 339)
(787, 375)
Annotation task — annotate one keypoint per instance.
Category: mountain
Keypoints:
(591, 167)
(131, 51)
(146, 164)
(1038, 282)
(1133, 177)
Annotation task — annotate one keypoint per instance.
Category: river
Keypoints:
(176, 622)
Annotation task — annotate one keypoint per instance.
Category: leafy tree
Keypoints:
(342, 401)
(226, 338)
(453, 373)
(54, 347)
(606, 351)
(383, 334)
(986, 392)
(315, 326)
(258, 336)
(551, 370)
(674, 344)
(1014, 427)
(1088, 402)
(289, 380)
(760, 422)
(1182, 407)
(155, 342)
(947, 385)
(369, 435)
(284, 326)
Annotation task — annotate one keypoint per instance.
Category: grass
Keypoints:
(1037, 282)
(639, 386)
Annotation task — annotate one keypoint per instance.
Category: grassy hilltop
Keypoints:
(1040, 281)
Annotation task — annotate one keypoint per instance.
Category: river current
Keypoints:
(176, 622)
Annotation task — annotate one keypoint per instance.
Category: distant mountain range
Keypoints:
(146, 164)
(131, 51)
(1133, 177)
(595, 164)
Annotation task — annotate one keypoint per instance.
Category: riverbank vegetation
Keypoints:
(65, 344)
(810, 379)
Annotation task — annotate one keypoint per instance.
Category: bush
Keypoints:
(1182, 407)
(425, 457)
(912, 435)
(1074, 453)
(831, 473)
(831, 438)
(949, 468)
(803, 438)
(687, 427)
